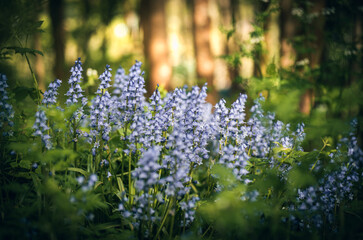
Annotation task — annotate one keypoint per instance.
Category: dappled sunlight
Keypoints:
(173, 119)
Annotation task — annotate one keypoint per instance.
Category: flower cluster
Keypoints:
(75, 92)
(132, 100)
(41, 128)
(75, 96)
(6, 110)
(334, 187)
(87, 185)
(50, 96)
(164, 140)
(101, 110)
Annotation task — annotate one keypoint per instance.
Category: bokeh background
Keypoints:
(304, 57)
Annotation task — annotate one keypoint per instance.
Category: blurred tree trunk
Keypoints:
(272, 38)
(227, 13)
(39, 60)
(356, 66)
(39, 63)
(288, 30)
(107, 10)
(244, 26)
(83, 40)
(153, 23)
(56, 11)
(315, 56)
(202, 48)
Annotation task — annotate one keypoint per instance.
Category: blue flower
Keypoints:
(6, 110)
(132, 98)
(120, 83)
(50, 96)
(40, 128)
(75, 92)
(146, 174)
(101, 111)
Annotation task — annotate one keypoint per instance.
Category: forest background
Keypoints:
(304, 57)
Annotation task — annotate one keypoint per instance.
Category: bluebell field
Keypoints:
(118, 165)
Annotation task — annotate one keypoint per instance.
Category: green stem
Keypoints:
(171, 226)
(32, 72)
(163, 220)
(317, 158)
(130, 198)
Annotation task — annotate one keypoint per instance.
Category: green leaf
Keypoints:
(25, 164)
(120, 184)
(309, 158)
(104, 226)
(79, 170)
(22, 51)
(14, 164)
(36, 182)
(299, 178)
(98, 184)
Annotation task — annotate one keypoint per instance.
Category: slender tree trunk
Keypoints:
(315, 57)
(356, 69)
(288, 30)
(228, 22)
(356, 66)
(153, 22)
(39, 63)
(39, 60)
(202, 48)
(244, 26)
(272, 40)
(84, 39)
(56, 10)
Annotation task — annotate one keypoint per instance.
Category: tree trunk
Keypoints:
(244, 26)
(202, 48)
(315, 57)
(39, 63)
(272, 40)
(39, 60)
(356, 69)
(226, 10)
(288, 30)
(153, 22)
(56, 10)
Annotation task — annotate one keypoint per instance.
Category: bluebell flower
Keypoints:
(146, 174)
(132, 98)
(6, 110)
(120, 83)
(80, 180)
(334, 186)
(75, 92)
(75, 96)
(34, 166)
(41, 121)
(155, 100)
(235, 158)
(189, 207)
(86, 186)
(41, 128)
(101, 110)
(178, 162)
(50, 96)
